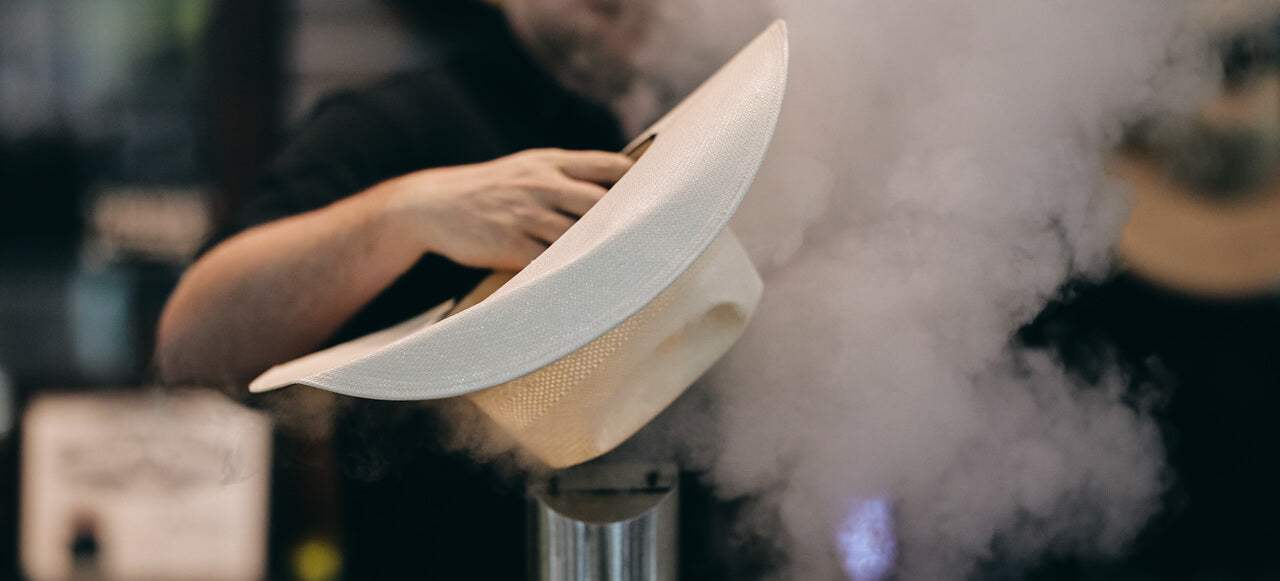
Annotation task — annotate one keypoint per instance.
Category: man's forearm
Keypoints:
(279, 290)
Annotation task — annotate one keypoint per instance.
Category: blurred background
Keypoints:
(127, 130)
(130, 129)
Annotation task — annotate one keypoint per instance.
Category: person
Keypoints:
(474, 163)
(385, 202)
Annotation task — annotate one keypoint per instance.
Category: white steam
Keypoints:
(937, 175)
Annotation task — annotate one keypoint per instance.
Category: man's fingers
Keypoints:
(548, 225)
(601, 167)
(572, 196)
(522, 251)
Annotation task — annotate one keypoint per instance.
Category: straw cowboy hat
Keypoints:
(1206, 197)
(590, 341)
(1178, 238)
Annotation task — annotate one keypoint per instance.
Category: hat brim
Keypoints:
(651, 226)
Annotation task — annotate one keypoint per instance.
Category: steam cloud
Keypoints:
(937, 175)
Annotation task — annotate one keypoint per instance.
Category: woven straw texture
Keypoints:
(587, 403)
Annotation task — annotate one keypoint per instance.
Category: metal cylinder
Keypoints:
(606, 522)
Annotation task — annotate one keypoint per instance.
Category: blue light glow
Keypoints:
(867, 541)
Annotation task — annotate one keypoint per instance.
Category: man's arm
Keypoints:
(278, 291)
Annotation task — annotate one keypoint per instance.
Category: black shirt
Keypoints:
(1213, 366)
(410, 508)
(479, 97)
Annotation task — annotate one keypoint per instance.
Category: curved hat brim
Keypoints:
(651, 226)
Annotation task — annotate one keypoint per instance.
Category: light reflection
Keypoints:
(866, 538)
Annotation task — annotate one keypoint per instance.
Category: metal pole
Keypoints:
(606, 522)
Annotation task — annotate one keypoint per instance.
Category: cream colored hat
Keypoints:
(588, 343)
(1183, 234)
(1183, 241)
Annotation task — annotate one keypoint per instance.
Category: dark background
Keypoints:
(170, 108)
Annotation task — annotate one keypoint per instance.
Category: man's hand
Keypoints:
(499, 214)
(267, 295)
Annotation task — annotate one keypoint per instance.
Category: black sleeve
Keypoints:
(355, 139)
(345, 146)
(349, 143)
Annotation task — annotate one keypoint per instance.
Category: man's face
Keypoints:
(588, 45)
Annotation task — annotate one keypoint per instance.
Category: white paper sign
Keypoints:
(144, 486)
